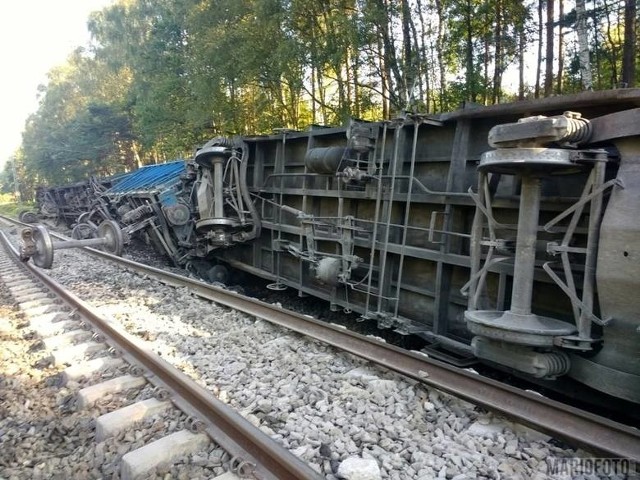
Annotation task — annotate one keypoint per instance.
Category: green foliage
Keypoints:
(163, 76)
(11, 208)
(81, 126)
(7, 179)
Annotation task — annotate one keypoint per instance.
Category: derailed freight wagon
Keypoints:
(521, 240)
(509, 232)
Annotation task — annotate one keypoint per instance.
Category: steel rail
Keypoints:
(591, 432)
(261, 455)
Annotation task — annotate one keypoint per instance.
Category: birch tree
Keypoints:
(583, 45)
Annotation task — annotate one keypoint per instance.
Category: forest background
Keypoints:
(163, 76)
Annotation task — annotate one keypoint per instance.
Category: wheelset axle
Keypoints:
(36, 243)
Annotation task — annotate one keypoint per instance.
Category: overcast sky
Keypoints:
(35, 35)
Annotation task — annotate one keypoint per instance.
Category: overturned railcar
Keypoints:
(146, 204)
(64, 204)
(513, 228)
(510, 232)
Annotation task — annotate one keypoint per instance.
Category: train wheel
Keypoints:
(110, 231)
(82, 231)
(28, 217)
(218, 274)
(43, 257)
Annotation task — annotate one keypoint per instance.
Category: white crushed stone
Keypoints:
(326, 406)
(356, 468)
(42, 433)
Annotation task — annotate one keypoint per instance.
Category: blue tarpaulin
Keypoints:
(149, 178)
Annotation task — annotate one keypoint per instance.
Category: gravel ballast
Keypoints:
(345, 417)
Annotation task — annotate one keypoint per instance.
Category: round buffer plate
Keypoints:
(532, 161)
(531, 329)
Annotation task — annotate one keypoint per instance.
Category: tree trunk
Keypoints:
(440, 49)
(314, 61)
(384, 80)
(409, 73)
(521, 48)
(486, 60)
(548, 72)
(469, 55)
(538, 72)
(322, 97)
(356, 84)
(423, 63)
(348, 69)
(313, 95)
(583, 45)
(394, 75)
(560, 49)
(629, 49)
(497, 72)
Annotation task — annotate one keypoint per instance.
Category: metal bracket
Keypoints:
(583, 201)
(432, 226)
(574, 298)
(279, 245)
(573, 342)
(554, 248)
(486, 211)
(489, 262)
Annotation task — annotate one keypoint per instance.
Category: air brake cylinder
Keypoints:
(324, 159)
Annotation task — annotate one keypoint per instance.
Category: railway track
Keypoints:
(76, 335)
(596, 434)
